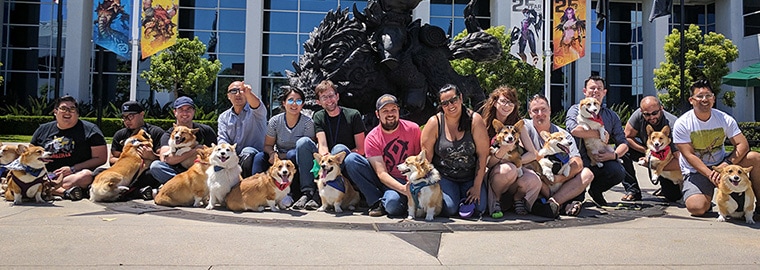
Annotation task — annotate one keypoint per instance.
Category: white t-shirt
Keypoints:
(706, 137)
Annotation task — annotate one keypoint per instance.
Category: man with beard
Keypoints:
(650, 113)
(386, 146)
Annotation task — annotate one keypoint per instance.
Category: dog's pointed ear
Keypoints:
(747, 170)
(213, 145)
(719, 170)
(423, 155)
(545, 134)
(234, 146)
(650, 129)
(519, 125)
(340, 156)
(497, 125)
(22, 148)
(317, 156)
(666, 130)
(276, 156)
(195, 130)
(174, 125)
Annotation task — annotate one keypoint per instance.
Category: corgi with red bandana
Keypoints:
(263, 189)
(589, 119)
(659, 154)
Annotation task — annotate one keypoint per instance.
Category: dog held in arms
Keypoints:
(109, 185)
(263, 189)
(555, 157)
(507, 141)
(223, 174)
(735, 197)
(659, 154)
(188, 188)
(334, 189)
(182, 140)
(426, 197)
(589, 119)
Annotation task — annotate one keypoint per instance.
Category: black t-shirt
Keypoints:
(339, 129)
(205, 135)
(155, 134)
(68, 146)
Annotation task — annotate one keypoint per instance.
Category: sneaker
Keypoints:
(301, 203)
(377, 210)
(147, 193)
(74, 194)
(311, 205)
(287, 201)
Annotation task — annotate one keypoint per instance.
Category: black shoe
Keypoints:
(658, 193)
(377, 210)
(73, 194)
(301, 203)
(147, 193)
(598, 198)
(311, 205)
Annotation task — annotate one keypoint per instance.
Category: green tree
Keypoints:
(707, 56)
(180, 68)
(508, 70)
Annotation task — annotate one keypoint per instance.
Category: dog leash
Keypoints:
(649, 170)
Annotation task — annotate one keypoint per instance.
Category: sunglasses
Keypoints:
(291, 101)
(651, 113)
(67, 109)
(233, 91)
(452, 100)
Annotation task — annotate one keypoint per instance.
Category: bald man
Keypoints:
(650, 112)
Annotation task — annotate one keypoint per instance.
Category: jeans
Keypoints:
(606, 177)
(246, 160)
(261, 164)
(395, 204)
(163, 172)
(454, 192)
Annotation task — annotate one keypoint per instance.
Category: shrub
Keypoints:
(26, 125)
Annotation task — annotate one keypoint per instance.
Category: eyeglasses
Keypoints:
(128, 117)
(291, 101)
(328, 97)
(67, 109)
(703, 97)
(453, 100)
(656, 112)
(233, 91)
(505, 102)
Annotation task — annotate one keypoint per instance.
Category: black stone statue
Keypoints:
(383, 51)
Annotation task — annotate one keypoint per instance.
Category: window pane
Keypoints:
(231, 61)
(620, 53)
(198, 19)
(280, 44)
(319, 5)
(232, 20)
(279, 4)
(280, 21)
(360, 4)
(232, 43)
(751, 25)
(309, 21)
(277, 64)
(440, 9)
(751, 6)
(442, 23)
(620, 32)
(233, 4)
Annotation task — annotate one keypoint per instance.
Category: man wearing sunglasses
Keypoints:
(650, 113)
(133, 116)
(244, 124)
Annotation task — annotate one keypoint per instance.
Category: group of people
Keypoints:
(457, 138)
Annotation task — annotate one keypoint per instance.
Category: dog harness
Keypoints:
(338, 184)
(558, 160)
(661, 154)
(739, 198)
(25, 186)
(415, 190)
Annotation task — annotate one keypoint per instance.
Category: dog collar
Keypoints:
(561, 157)
(415, 190)
(17, 166)
(282, 186)
(662, 153)
(218, 168)
(338, 184)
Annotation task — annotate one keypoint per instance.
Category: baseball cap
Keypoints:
(182, 101)
(385, 100)
(131, 107)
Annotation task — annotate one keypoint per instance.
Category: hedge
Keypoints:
(26, 125)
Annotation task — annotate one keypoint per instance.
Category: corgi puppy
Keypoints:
(8, 153)
(27, 174)
(263, 189)
(589, 119)
(223, 174)
(334, 189)
(735, 197)
(426, 196)
(659, 154)
(188, 188)
(507, 139)
(182, 140)
(555, 157)
(110, 184)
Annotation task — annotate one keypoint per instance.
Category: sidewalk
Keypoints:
(80, 235)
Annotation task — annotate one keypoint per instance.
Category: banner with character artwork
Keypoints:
(112, 29)
(569, 31)
(159, 26)
(526, 35)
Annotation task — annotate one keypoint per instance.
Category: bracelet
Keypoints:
(616, 155)
(727, 160)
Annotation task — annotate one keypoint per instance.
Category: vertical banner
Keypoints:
(112, 29)
(526, 36)
(569, 31)
(159, 26)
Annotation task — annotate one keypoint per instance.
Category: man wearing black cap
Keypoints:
(170, 165)
(133, 116)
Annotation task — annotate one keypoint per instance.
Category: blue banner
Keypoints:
(112, 28)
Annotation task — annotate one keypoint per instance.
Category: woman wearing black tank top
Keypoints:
(458, 138)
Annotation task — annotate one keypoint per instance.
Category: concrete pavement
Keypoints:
(650, 234)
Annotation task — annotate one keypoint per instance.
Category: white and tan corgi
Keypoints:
(263, 189)
(182, 140)
(27, 175)
(426, 196)
(335, 190)
(735, 197)
(555, 157)
(223, 174)
(659, 154)
(110, 184)
(8, 153)
(589, 119)
(505, 146)
(187, 188)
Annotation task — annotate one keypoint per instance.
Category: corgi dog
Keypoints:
(110, 184)
(182, 140)
(188, 188)
(223, 174)
(263, 189)
(8, 153)
(735, 197)
(507, 139)
(555, 157)
(589, 119)
(659, 154)
(334, 189)
(426, 196)
(27, 175)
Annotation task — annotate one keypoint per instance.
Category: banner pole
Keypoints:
(136, 16)
(547, 51)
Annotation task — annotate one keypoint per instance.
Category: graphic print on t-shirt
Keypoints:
(60, 147)
(459, 158)
(394, 153)
(708, 144)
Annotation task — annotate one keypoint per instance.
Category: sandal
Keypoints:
(628, 197)
(573, 208)
(520, 208)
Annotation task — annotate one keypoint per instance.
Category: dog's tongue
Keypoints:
(284, 179)
(224, 159)
(324, 174)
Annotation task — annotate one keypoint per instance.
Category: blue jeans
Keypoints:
(163, 172)
(246, 160)
(453, 192)
(611, 174)
(395, 204)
